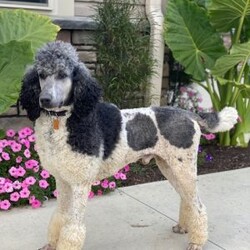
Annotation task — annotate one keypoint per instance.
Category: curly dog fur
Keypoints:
(92, 140)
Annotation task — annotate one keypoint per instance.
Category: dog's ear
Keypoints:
(29, 96)
(86, 93)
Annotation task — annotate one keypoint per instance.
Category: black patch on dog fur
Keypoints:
(142, 132)
(109, 121)
(212, 119)
(175, 126)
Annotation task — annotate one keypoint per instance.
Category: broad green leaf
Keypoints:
(239, 53)
(226, 14)
(192, 39)
(24, 25)
(14, 56)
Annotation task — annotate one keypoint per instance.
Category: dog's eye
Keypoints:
(61, 75)
(42, 76)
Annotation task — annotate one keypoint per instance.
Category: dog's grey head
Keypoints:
(58, 79)
(55, 64)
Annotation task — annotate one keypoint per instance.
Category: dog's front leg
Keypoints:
(73, 232)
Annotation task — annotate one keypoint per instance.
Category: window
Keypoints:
(49, 7)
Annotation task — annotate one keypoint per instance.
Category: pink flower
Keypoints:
(112, 185)
(22, 134)
(36, 204)
(16, 185)
(2, 181)
(91, 195)
(5, 205)
(14, 196)
(21, 171)
(32, 138)
(2, 190)
(27, 153)
(96, 183)
(26, 143)
(24, 184)
(24, 193)
(209, 136)
(1, 150)
(43, 184)
(55, 193)
(123, 176)
(99, 192)
(105, 184)
(3, 143)
(31, 198)
(13, 172)
(31, 163)
(127, 168)
(16, 147)
(10, 133)
(36, 169)
(5, 156)
(45, 174)
(19, 159)
(11, 142)
(28, 130)
(30, 180)
(8, 187)
(183, 89)
(117, 176)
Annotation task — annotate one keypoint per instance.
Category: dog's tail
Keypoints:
(219, 122)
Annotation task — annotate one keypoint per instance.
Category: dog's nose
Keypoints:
(45, 102)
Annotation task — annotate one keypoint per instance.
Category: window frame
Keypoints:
(27, 5)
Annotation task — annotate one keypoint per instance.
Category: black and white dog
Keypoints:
(81, 139)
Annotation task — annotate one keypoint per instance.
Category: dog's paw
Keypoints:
(179, 230)
(193, 246)
(47, 247)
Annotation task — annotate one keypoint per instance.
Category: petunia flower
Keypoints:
(2, 180)
(16, 147)
(13, 172)
(32, 138)
(127, 168)
(8, 187)
(5, 205)
(27, 153)
(45, 174)
(30, 180)
(43, 184)
(10, 133)
(36, 204)
(14, 196)
(16, 185)
(123, 176)
(117, 176)
(5, 156)
(112, 185)
(24, 193)
(91, 195)
(31, 163)
(21, 171)
(19, 159)
(105, 184)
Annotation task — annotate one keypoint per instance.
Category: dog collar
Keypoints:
(56, 114)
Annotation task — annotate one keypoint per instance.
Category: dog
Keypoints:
(81, 139)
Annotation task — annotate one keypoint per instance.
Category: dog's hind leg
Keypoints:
(192, 217)
(73, 232)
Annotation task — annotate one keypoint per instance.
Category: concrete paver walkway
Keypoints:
(141, 217)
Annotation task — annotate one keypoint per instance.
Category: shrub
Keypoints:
(22, 179)
(124, 60)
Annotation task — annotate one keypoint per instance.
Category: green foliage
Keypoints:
(123, 45)
(21, 34)
(192, 31)
(196, 48)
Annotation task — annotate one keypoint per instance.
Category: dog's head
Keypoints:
(58, 81)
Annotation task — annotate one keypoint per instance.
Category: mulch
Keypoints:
(221, 159)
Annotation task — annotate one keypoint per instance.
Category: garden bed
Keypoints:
(223, 159)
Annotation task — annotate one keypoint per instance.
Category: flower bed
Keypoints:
(22, 179)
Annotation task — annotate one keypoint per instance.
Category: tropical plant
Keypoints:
(21, 34)
(124, 60)
(194, 31)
